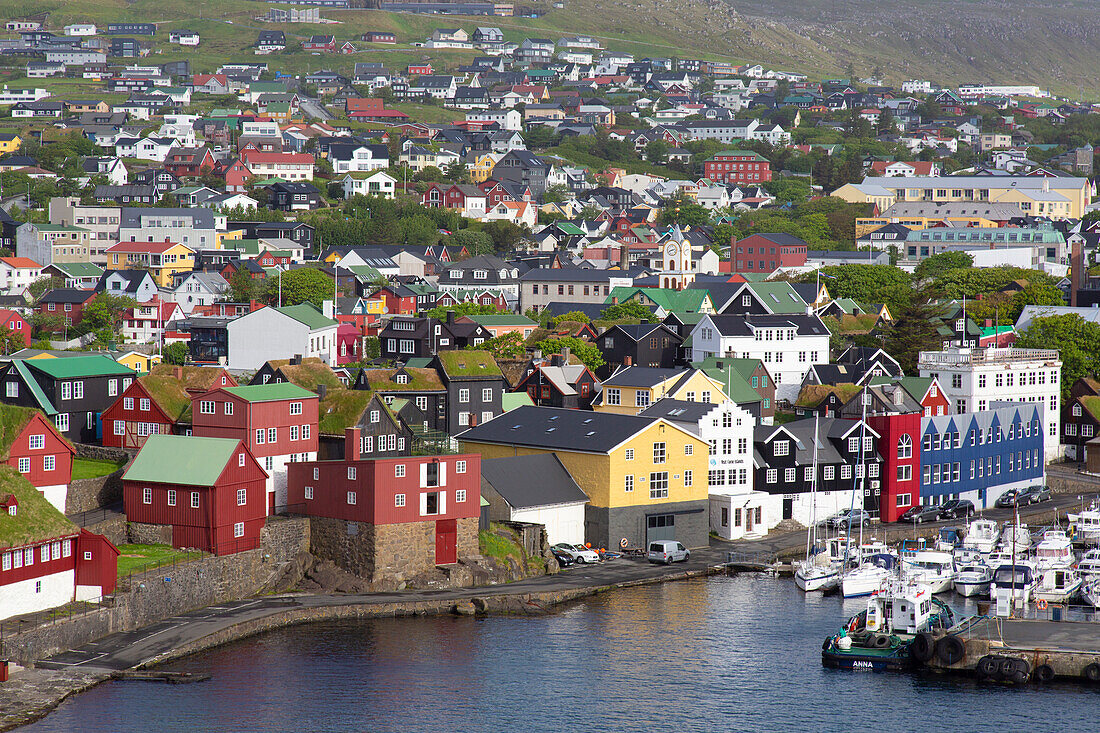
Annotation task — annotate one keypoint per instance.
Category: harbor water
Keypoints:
(739, 653)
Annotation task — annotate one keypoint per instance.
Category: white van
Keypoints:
(667, 551)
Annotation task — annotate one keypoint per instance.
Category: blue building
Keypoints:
(980, 455)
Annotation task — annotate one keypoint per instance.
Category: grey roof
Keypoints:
(572, 274)
(734, 325)
(553, 428)
(201, 218)
(532, 481)
(680, 411)
(1031, 312)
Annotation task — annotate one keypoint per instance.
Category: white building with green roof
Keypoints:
(282, 333)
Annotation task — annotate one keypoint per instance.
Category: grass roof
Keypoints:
(469, 364)
(36, 520)
(420, 380)
(311, 372)
(1092, 404)
(341, 409)
(169, 388)
(12, 421)
(812, 395)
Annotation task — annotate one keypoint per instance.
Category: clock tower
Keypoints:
(677, 270)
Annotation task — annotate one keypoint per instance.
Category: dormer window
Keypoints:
(456, 274)
(402, 378)
(480, 274)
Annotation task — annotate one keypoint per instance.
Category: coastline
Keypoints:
(33, 693)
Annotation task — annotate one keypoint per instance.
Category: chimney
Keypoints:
(565, 352)
(556, 360)
(321, 391)
(450, 317)
(988, 323)
(178, 372)
(614, 300)
(296, 360)
(352, 444)
(628, 361)
(1076, 271)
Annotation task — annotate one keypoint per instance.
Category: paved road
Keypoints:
(132, 648)
(314, 108)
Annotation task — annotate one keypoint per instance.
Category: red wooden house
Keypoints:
(270, 258)
(17, 324)
(396, 300)
(189, 161)
(420, 70)
(927, 391)
(320, 43)
(441, 493)
(159, 404)
(495, 192)
(277, 422)
(480, 297)
(363, 104)
(235, 173)
(68, 303)
(348, 344)
(32, 445)
(209, 490)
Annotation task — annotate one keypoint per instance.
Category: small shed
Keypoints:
(536, 489)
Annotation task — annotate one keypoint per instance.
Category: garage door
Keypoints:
(660, 527)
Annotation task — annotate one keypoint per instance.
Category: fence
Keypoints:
(734, 557)
(95, 516)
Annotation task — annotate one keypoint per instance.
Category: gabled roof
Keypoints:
(813, 395)
(13, 420)
(552, 428)
(182, 459)
(420, 380)
(36, 519)
(169, 389)
(270, 392)
(307, 374)
(470, 363)
(532, 481)
(74, 367)
(307, 314)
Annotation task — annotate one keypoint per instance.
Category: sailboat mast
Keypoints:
(813, 495)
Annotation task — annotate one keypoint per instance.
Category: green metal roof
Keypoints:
(32, 384)
(181, 459)
(744, 367)
(687, 301)
(418, 362)
(270, 392)
(511, 400)
(79, 269)
(736, 386)
(307, 314)
(568, 227)
(74, 367)
(779, 296)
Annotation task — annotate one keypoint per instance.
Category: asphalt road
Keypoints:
(313, 108)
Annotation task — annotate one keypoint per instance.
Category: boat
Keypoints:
(973, 579)
(869, 576)
(934, 569)
(1054, 550)
(878, 638)
(1085, 525)
(982, 536)
(1089, 564)
(1058, 585)
(1013, 581)
(948, 539)
(1016, 538)
(821, 571)
(1090, 591)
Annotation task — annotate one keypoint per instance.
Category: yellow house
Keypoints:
(221, 237)
(646, 478)
(1069, 194)
(869, 224)
(481, 169)
(141, 363)
(10, 142)
(162, 259)
(632, 389)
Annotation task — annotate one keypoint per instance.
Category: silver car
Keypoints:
(667, 552)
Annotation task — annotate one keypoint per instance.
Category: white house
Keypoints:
(352, 158)
(787, 344)
(80, 29)
(282, 333)
(379, 183)
(508, 119)
(199, 288)
(536, 489)
(17, 274)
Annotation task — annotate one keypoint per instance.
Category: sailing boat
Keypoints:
(871, 573)
(821, 568)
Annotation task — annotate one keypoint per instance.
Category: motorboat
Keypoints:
(1058, 585)
(821, 571)
(879, 637)
(948, 539)
(1089, 564)
(1016, 538)
(934, 569)
(872, 547)
(869, 576)
(1013, 582)
(1090, 591)
(973, 579)
(1054, 551)
(982, 536)
(1085, 525)
(966, 556)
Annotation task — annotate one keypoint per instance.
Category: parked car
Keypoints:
(667, 552)
(565, 559)
(957, 509)
(908, 514)
(858, 517)
(1008, 499)
(579, 553)
(1034, 495)
(927, 513)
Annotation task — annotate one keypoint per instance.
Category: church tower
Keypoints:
(677, 271)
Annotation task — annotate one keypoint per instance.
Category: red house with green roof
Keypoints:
(210, 491)
(276, 422)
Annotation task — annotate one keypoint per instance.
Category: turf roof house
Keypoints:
(421, 387)
(475, 386)
(278, 424)
(32, 445)
(159, 404)
(73, 391)
(210, 491)
(45, 560)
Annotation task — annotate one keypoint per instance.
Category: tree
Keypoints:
(10, 341)
(589, 354)
(43, 324)
(242, 288)
(867, 284)
(505, 234)
(938, 264)
(1077, 340)
(303, 285)
(43, 284)
(176, 353)
(476, 243)
(105, 311)
(462, 309)
(685, 213)
(913, 332)
(571, 316)
(629, 310)
(505, 346)
(656, 151)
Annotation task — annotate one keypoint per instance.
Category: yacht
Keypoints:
(1013, 582)
(1054, 551)
(1089, 564)
(1090, 591)
(1016, 537)
(931, 568)
(1085, 525)
(1058, 585)
(982, 536)
(949, 538)
(869, 576)
(821, 571)
(973, 579)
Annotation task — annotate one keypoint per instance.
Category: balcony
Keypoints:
(970, 357)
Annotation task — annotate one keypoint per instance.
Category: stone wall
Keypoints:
(172, 590)
(468, 545)
(93, 493)
(102, 452)
(113, 528)
(149, 534)
(348, 544)
(403, 550)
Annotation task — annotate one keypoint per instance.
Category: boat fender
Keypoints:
(950, 649)
(1092, 672)
(844, 643)
(922, 648)
(1041, 604)
(826, 644)
(1014, 670)
(1044, 673)
(881, 641)
(989, 667)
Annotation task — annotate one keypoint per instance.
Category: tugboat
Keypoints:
(879, 638)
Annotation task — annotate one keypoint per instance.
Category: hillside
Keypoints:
(1052, 45)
